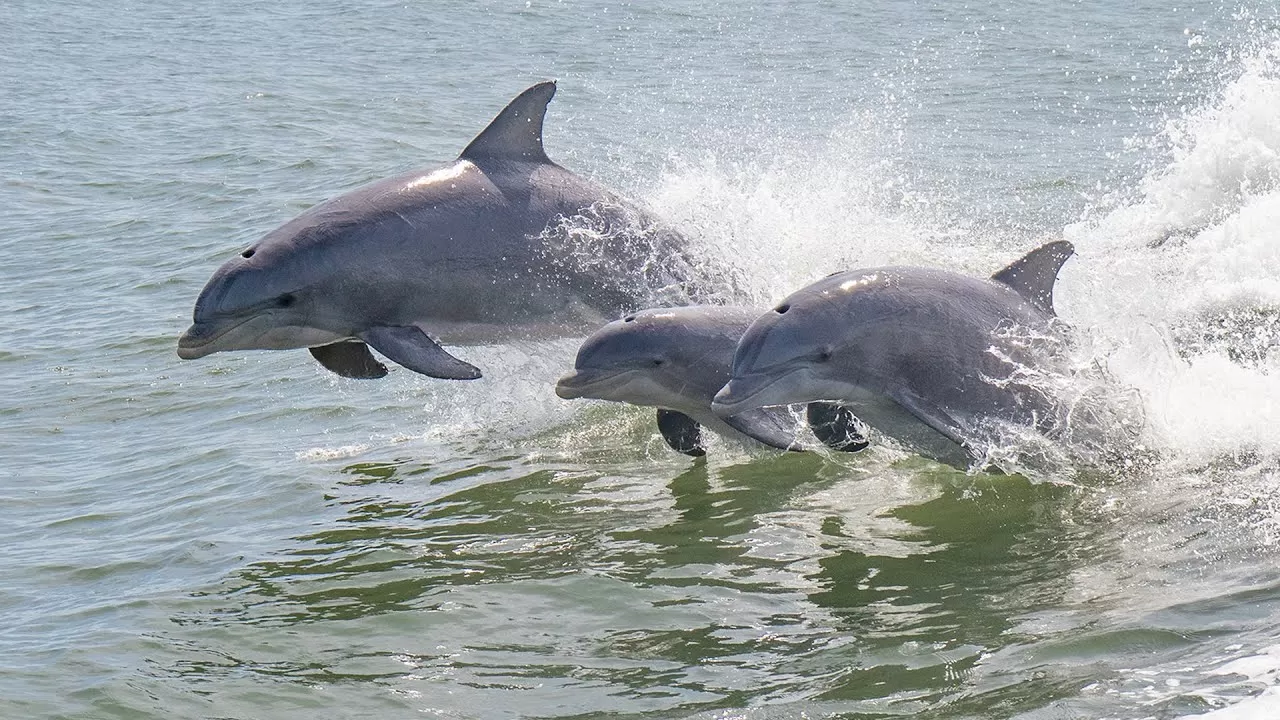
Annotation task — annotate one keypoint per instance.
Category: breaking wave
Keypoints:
(1184, 277)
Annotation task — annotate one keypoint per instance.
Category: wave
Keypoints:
(1185, 276)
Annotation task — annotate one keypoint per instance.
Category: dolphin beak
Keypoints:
(580, 383)
(202, 337)
(196, 342)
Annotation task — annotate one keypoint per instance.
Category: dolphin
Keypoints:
(484, 249)
(924, 356)
(675, 359)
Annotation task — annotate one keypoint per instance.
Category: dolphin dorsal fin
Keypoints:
(1032, 275)
(516, 133)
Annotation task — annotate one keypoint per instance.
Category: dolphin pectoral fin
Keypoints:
(837, 427)
(516, 133)
(1032, 276)
(349, 358)
(410, 347)
(931, 415)
(681, 432)
(773, 426)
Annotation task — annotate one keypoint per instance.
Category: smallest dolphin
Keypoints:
(676, 359)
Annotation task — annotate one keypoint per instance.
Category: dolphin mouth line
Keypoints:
(191, 347)
(580, 383)
(735, 407)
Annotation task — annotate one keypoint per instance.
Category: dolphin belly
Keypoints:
(899, 424)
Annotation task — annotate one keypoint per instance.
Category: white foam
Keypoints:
(1178, 276)
(321, 454)
(795, 212)
(1261, 668)
(1264, 666)
(1265, 706)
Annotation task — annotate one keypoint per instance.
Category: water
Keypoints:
(248, 536)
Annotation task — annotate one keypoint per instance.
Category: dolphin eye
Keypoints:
(657, 362)
(247, 253)
(824, 354)
(286, 300)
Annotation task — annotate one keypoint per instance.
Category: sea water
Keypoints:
(249, 536)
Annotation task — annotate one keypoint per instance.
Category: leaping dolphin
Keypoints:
(675, 359)
(924, 356)
(479, 250)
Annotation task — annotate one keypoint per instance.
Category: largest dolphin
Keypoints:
(501, 243)
(928, 357)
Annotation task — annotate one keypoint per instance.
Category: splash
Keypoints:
(1088, 421)
(1224, 164)
(1174, 294)
(1187, 274)
(793, 211)
(635, 259)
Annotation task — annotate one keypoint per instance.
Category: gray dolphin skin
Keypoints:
(923, 356)
(676, 359)
(479, 250)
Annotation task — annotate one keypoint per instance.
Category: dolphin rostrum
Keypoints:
(479, 250)
(675, 359)
(924, 356)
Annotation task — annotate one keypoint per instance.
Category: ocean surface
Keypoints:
(248, 536)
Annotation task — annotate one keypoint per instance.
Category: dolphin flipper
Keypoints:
(410, 347)
(516, 132)
(773, 426)
(681, 432)
(349, 358)
(1032, 276)
(837, 427)
(931, 415)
